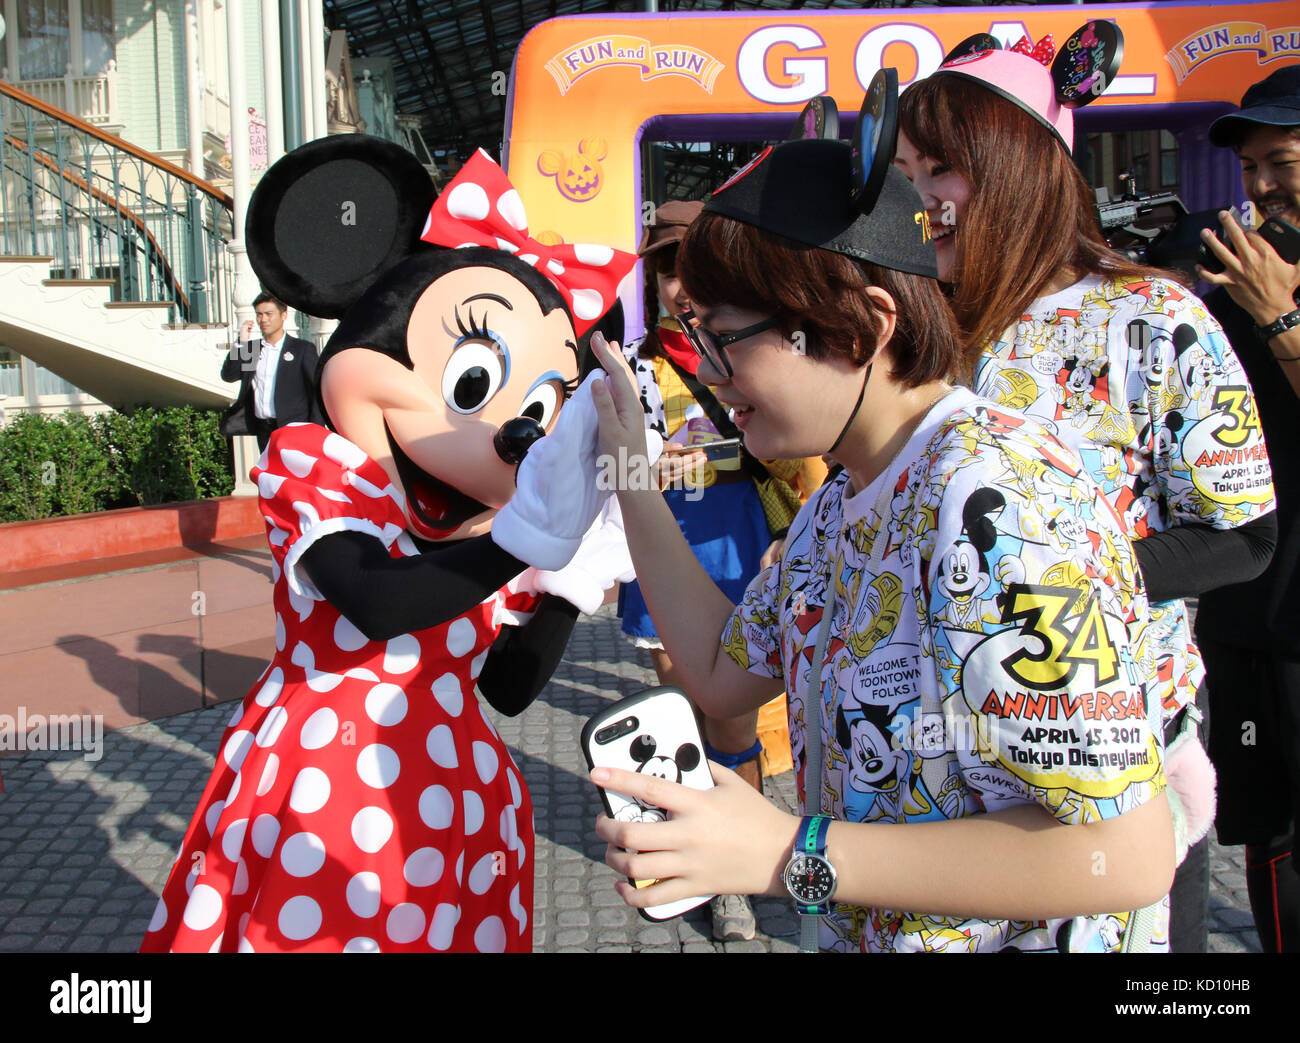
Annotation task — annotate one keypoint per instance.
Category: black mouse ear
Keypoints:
(979, 527)
(980, 43)
(1185, 336)
(842, 733)
(642, 748)
(330, 217)
(688, 756)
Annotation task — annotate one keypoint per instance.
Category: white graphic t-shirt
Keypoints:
(1140, 378)
(983, 653)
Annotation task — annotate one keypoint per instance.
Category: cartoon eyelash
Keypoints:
(477, 331)
(571, 386)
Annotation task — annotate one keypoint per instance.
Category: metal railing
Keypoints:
(104, 208)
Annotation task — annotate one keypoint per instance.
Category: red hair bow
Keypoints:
(481, 208)
(1042, 52)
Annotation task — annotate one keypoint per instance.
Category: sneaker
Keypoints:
(733, 918)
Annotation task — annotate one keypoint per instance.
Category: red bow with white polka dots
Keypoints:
(481, 208)
(1042, 52)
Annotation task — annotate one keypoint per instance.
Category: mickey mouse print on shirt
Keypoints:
(983, 653)
(1139, 378)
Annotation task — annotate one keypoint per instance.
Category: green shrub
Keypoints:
(166, 455)
(72, 464)
(51, 466)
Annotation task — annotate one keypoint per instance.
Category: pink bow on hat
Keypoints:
(1042, 52)
(481, 208)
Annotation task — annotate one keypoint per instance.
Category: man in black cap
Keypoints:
(1249, 634)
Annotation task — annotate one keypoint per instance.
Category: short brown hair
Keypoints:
(1031, 215)
(821, 294)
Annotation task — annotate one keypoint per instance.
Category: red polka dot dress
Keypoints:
(361, 802)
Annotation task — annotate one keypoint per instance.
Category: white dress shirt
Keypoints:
(268, 362)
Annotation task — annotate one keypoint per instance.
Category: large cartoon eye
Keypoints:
(541, 403)
(472, 377)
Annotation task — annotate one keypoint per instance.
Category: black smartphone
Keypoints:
(1282, 236)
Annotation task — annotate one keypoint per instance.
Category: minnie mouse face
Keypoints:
(458, 338)
(482, 353)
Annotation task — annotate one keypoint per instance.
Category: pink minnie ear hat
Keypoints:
(1023, 81)
(1079, 73)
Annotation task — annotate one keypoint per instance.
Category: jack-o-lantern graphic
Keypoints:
(578, 176)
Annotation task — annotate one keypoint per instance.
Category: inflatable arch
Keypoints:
(586, 90)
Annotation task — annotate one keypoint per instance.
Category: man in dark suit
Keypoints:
(277, 375)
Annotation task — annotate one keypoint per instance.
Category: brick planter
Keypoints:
(132, 530)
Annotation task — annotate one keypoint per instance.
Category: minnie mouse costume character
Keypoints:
(361, 801)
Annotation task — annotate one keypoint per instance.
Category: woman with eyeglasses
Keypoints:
(1116, 357)
(723, 511)
(953, 617)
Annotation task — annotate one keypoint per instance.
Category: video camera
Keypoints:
(1153, 229)
(1156, 229)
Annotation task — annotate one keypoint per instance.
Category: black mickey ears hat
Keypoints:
(848, 199)
(803, 190)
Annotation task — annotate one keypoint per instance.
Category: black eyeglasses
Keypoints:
(709, 345)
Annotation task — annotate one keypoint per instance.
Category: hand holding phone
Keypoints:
(1261, 277)
(685, 462)
(1281, 235)
(654, 734)
(725, 840)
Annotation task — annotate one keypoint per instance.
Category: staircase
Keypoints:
(114, 272)
(121, 352)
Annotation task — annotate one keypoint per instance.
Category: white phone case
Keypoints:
(653, 733)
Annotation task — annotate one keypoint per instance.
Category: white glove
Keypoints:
(556, 496)
(601, 561)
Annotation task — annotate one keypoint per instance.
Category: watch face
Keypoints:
(810, 879)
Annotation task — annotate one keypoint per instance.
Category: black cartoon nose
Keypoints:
(514, 438)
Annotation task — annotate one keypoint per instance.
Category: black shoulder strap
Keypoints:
(714, 411)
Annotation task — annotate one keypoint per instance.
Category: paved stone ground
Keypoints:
(85, 847)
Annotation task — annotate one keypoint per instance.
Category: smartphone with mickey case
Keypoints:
(652, 733)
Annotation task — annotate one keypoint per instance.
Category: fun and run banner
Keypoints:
(585, 89)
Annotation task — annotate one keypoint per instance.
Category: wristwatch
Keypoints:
(1280, 325)
(809, 876)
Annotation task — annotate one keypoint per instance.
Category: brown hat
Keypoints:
(670, 224)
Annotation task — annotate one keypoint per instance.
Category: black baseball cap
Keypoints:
(1274, 101)
(804, 191)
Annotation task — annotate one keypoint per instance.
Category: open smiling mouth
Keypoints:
(435, 504)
